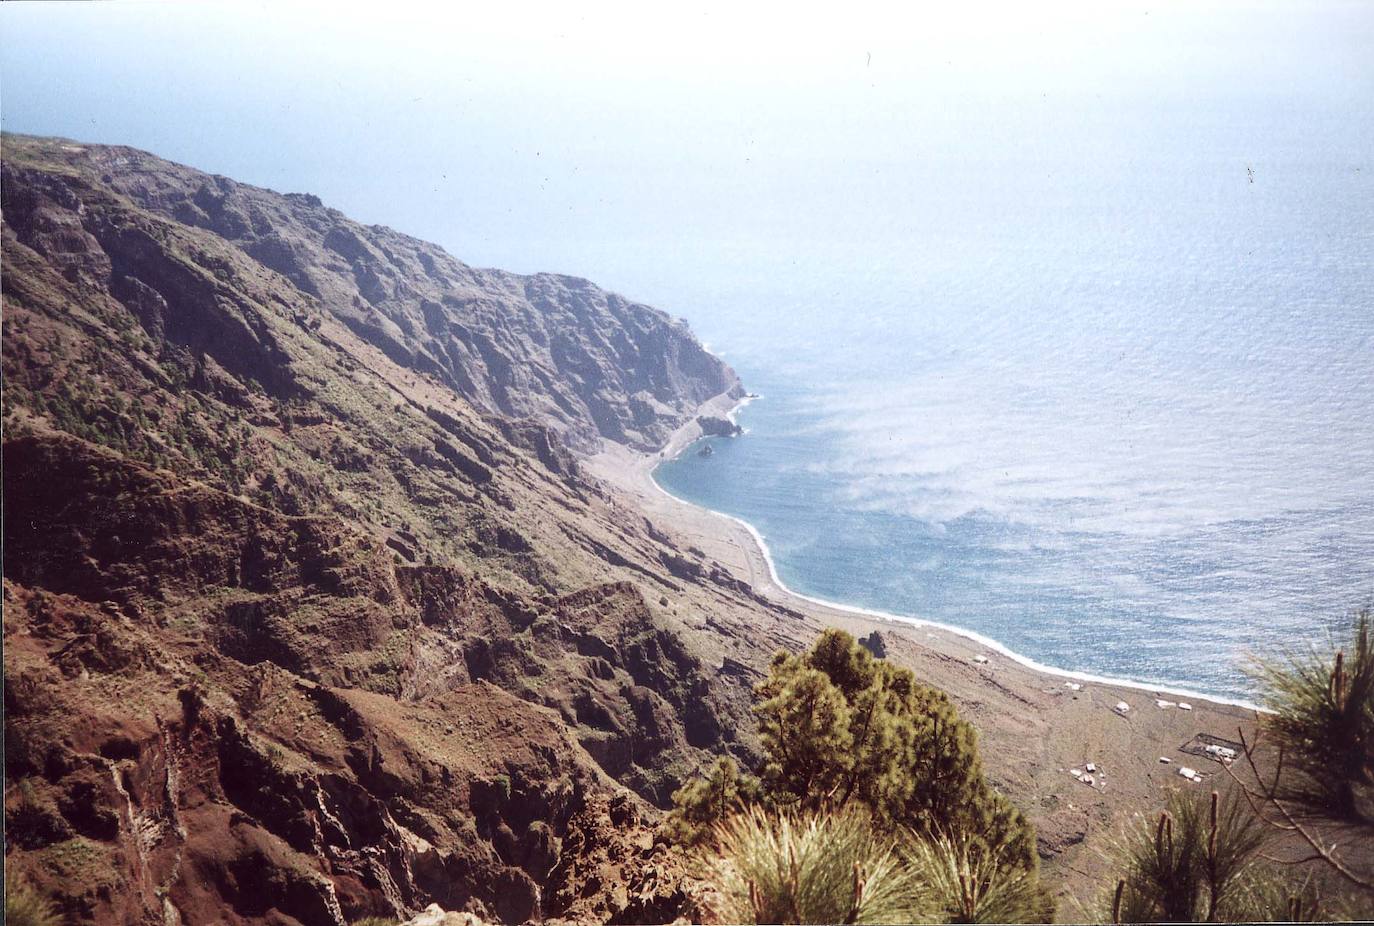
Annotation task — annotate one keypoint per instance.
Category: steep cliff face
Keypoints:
(554, 348)
(298, 627)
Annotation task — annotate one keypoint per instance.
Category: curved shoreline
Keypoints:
(685, 438)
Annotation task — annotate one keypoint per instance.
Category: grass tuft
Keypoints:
(965, 882)
(26, 906)
(820, 868)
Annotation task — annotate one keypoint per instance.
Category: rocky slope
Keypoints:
(554, 348)
(309, 615)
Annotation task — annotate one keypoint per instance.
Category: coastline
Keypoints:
(1037, 725)
(633, 471)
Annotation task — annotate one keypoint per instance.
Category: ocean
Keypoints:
(1125, 428)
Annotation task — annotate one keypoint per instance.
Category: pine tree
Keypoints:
(839, 726)
(843, 731)
(774, 867)
(1198, 861)
(1323, 720)
(804, 725)
(704, 802)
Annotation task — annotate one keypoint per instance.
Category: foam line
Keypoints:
(910, 621)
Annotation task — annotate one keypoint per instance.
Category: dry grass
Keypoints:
(26, 906)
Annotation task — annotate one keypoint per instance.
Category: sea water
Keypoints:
(1124, 426)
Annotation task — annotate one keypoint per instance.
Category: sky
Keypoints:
(678, 156)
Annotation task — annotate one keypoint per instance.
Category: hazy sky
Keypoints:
(663, 153)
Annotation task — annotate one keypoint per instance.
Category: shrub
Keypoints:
(25, 906)
(811, 868)
(1198, 861)
(1323, 721)
(964, 883)
(701, 804)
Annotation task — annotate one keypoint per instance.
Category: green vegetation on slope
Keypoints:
(842, 728)
(857, 746)
(1323, 721)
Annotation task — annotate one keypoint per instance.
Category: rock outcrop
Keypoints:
(435, 915)
(370, 735)
(712, 426)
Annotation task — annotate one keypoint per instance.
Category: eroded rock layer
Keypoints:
(309, 614)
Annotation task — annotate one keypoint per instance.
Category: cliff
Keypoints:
(309, 615)
(557, 349)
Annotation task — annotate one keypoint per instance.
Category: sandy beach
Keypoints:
(1038, 727)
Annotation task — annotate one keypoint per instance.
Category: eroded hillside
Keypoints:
(555, 348)
(309, 614)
